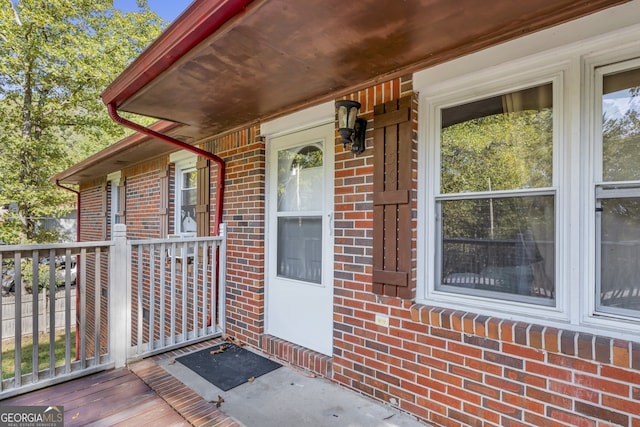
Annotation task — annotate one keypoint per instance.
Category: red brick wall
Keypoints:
(456, 368)
(91, 213)
(92, 220)
(143, 200)
(243, 214)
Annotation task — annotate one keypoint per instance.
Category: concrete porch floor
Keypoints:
(284, 397)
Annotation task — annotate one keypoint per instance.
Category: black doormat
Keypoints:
(228, 368)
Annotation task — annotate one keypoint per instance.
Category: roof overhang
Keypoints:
(224, 64)
(227, 63)
(126, 152)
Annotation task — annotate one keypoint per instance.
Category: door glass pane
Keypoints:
(499, 143)
(620, 254)
(503, 245)
(300, 248)
(621, 126)
(300, 179)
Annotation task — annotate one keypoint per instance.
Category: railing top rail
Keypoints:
(48, 246)
(176, 240)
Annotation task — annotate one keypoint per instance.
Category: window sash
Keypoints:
(511, 262)
(617, 267)
(543, 90)
(617, 194)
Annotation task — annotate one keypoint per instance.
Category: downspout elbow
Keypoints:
(77, 193)
(113, 113)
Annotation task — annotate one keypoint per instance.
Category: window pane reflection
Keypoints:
(620, 254)
(503, 245)
(300, 179)
(621, 126)
(300, 248)
(499, 143)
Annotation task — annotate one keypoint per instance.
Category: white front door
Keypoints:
(299, 238)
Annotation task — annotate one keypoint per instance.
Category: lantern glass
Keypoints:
(343, 113)
(351, 117)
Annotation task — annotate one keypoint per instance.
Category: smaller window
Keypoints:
(115, 203)
(188, 194)
(114, 200)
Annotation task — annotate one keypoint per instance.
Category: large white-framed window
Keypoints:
(495, 202)
(529, 177)
(492, 151)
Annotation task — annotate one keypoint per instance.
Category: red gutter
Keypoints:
(113, 112)
(77, 193)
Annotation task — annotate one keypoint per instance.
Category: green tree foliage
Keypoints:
(500, 152)
(621, 146)
(57, 56)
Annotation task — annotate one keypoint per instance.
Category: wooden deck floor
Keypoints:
(111, 398)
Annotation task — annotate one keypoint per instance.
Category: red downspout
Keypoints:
(113, 112)
(78, 205)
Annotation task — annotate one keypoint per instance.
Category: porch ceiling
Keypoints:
(278, 55)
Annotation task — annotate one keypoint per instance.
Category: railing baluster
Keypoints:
(163, 263)
(152, 296)
(97, 309)
(196, 269)
(185, 285)
(205, 288)
(67, 313)
(139, 301)
(221, 282)
(17, 279)
(35, 314)
(52, 312)
(214, 284)
(83, 303)
(172, 333)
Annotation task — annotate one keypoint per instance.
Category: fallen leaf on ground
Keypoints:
(219, 350)
(218, 402)
(172, 361)
(252, 379)
(77, 414)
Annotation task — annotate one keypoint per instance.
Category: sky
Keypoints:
(166, 9)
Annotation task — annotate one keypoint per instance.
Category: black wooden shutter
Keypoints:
(392, 181)
(203, 197)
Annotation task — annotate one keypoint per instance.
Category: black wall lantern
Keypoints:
(351, 128)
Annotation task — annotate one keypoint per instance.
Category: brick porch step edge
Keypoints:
(297, 356)
(191, 406)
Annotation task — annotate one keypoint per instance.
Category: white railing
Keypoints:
(122, 300)
(45, 345)
(173, 292)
